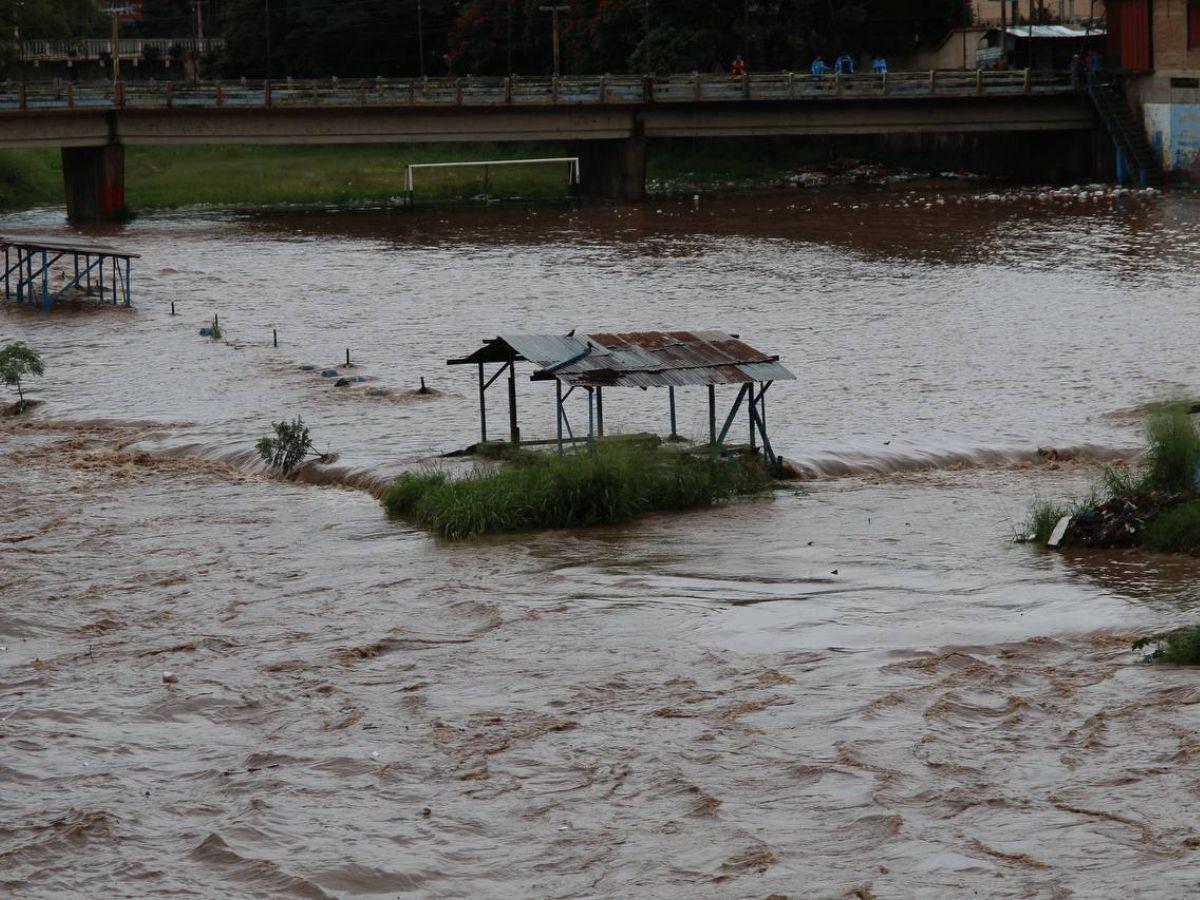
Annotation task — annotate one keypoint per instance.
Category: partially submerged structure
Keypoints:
(45, 270)
(592, 363)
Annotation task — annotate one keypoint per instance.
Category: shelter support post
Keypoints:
(514, 433)
(671, 401)
(758, 421)
(94, 181)
(750, 418)
(712, 419)
(591, 420)
(482, 407)
(600, 412)
(743, 392)
(558, 413)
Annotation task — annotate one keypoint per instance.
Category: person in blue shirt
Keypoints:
(844, 65)
(818, 66)
(879, 65)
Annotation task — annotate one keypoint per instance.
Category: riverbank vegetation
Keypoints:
(530, 491)
(1155, 506)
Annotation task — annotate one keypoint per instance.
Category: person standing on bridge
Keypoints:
(1076, 71)
(844, 64)
(818, 67)
(738, 69)
(879, 65)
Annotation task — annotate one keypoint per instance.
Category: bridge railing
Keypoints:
(90, 49)
(594, 90)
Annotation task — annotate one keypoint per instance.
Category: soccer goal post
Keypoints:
(571, 162)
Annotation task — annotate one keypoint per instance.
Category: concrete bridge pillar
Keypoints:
(613, 170)
(94, 178)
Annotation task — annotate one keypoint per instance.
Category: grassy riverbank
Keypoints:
(163, 177)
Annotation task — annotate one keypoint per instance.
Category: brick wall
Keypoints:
(1170, 28)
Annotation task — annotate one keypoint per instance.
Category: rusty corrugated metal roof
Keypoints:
(637, 358)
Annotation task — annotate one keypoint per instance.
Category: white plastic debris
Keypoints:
(1059, 532)
(170, 678)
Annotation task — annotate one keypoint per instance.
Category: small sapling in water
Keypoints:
(16, 362)
(290, 446)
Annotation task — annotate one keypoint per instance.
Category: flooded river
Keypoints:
(858, 688)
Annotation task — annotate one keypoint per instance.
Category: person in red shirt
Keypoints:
(738, 69)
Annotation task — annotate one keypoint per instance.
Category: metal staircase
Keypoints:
(1135, 156)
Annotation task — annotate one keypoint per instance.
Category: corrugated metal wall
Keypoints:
(1129, 35)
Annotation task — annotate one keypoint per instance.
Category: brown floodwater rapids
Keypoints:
(859, 688)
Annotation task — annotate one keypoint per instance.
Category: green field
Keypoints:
(244, 175)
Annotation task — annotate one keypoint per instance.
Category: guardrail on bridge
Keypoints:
(526, 91)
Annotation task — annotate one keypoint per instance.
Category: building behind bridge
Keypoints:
(1156, 43)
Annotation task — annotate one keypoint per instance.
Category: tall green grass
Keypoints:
(614, 484)
(1172, 448)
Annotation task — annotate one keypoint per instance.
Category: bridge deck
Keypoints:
(599, 90)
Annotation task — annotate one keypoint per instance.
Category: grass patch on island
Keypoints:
(533, 491)
(1155, 506)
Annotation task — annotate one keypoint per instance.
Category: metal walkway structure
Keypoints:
(44, 271)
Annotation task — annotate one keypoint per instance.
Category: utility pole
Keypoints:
(508, 38)
(554, 11)
(17, 35)
(420, 42)
(1003, 34)
(198, 6)
(116, 46)
(646, 31)
(268, 2)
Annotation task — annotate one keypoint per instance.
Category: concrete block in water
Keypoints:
(329, 373)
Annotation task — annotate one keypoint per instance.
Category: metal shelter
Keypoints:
(92, 270)
(641, 359)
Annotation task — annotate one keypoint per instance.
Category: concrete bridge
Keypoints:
(607, 119)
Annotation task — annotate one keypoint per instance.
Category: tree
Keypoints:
(16, 362)
(51, 20)
(290, 446)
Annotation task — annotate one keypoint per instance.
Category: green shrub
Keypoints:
(1175, 530)
(613, 484)
(1180, 647)
(1172, 448)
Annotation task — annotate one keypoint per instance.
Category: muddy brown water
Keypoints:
(860, 688)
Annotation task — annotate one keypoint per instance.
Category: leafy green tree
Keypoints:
(18, 361)
(51, 20)
(289, 447)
